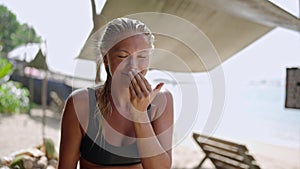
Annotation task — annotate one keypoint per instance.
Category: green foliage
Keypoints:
(12, 33)
(14, 98)
(5, 68)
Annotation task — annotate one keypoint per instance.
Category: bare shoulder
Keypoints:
(163, 116)
(167, 94)
(77, 107)
(163, 97)
(79, 95)
(76, 100)
(79, 101)
(163, 104)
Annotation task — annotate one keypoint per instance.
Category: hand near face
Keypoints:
(141, 93)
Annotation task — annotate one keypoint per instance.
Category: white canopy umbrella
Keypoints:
(25, 52)
(229, 26)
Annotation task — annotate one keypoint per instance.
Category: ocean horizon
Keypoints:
(254, 110)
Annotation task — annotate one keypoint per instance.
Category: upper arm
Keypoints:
(71, 133)
(163, 122)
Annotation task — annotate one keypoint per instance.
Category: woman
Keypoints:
(123, 123)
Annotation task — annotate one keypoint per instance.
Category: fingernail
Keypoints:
(159, 85)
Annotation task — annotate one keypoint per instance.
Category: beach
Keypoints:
(267, 156)
(25, 131)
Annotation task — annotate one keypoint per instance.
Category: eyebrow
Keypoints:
(121, 50)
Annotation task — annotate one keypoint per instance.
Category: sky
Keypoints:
(65, 26)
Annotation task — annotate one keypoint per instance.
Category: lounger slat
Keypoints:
(217, 147)
(220, 143)
(223, 162)
(225, 154)
(244, 158)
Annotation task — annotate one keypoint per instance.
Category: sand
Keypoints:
(24, 131)
(267, 156)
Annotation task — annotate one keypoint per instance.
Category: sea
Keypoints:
(251, 110)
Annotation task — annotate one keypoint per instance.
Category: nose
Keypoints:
(132, 62)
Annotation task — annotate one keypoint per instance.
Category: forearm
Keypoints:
(154, 149)
(152, 153)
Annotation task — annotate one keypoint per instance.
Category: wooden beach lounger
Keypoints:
(57, 103)
(225, 154)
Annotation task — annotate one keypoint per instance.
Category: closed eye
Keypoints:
(122, 56)
(142, 56)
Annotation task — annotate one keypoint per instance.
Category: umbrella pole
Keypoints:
(44, 98)
(98, 73)
(31, 85)
(44, 103)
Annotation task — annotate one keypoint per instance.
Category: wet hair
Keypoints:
(117, 30)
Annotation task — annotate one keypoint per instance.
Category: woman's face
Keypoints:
(129, 54)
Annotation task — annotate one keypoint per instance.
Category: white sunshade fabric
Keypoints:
(24, 52)
(194, 35)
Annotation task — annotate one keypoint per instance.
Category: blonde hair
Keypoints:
(117, 30)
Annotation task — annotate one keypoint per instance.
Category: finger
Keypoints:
(148, 86)
(143, 84)
(135, 85)
(132, 91)
(140, 82)
(156, 90)
(158, 87)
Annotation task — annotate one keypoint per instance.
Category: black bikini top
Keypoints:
(97, 150)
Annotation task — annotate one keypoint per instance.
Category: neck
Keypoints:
(120, 98)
